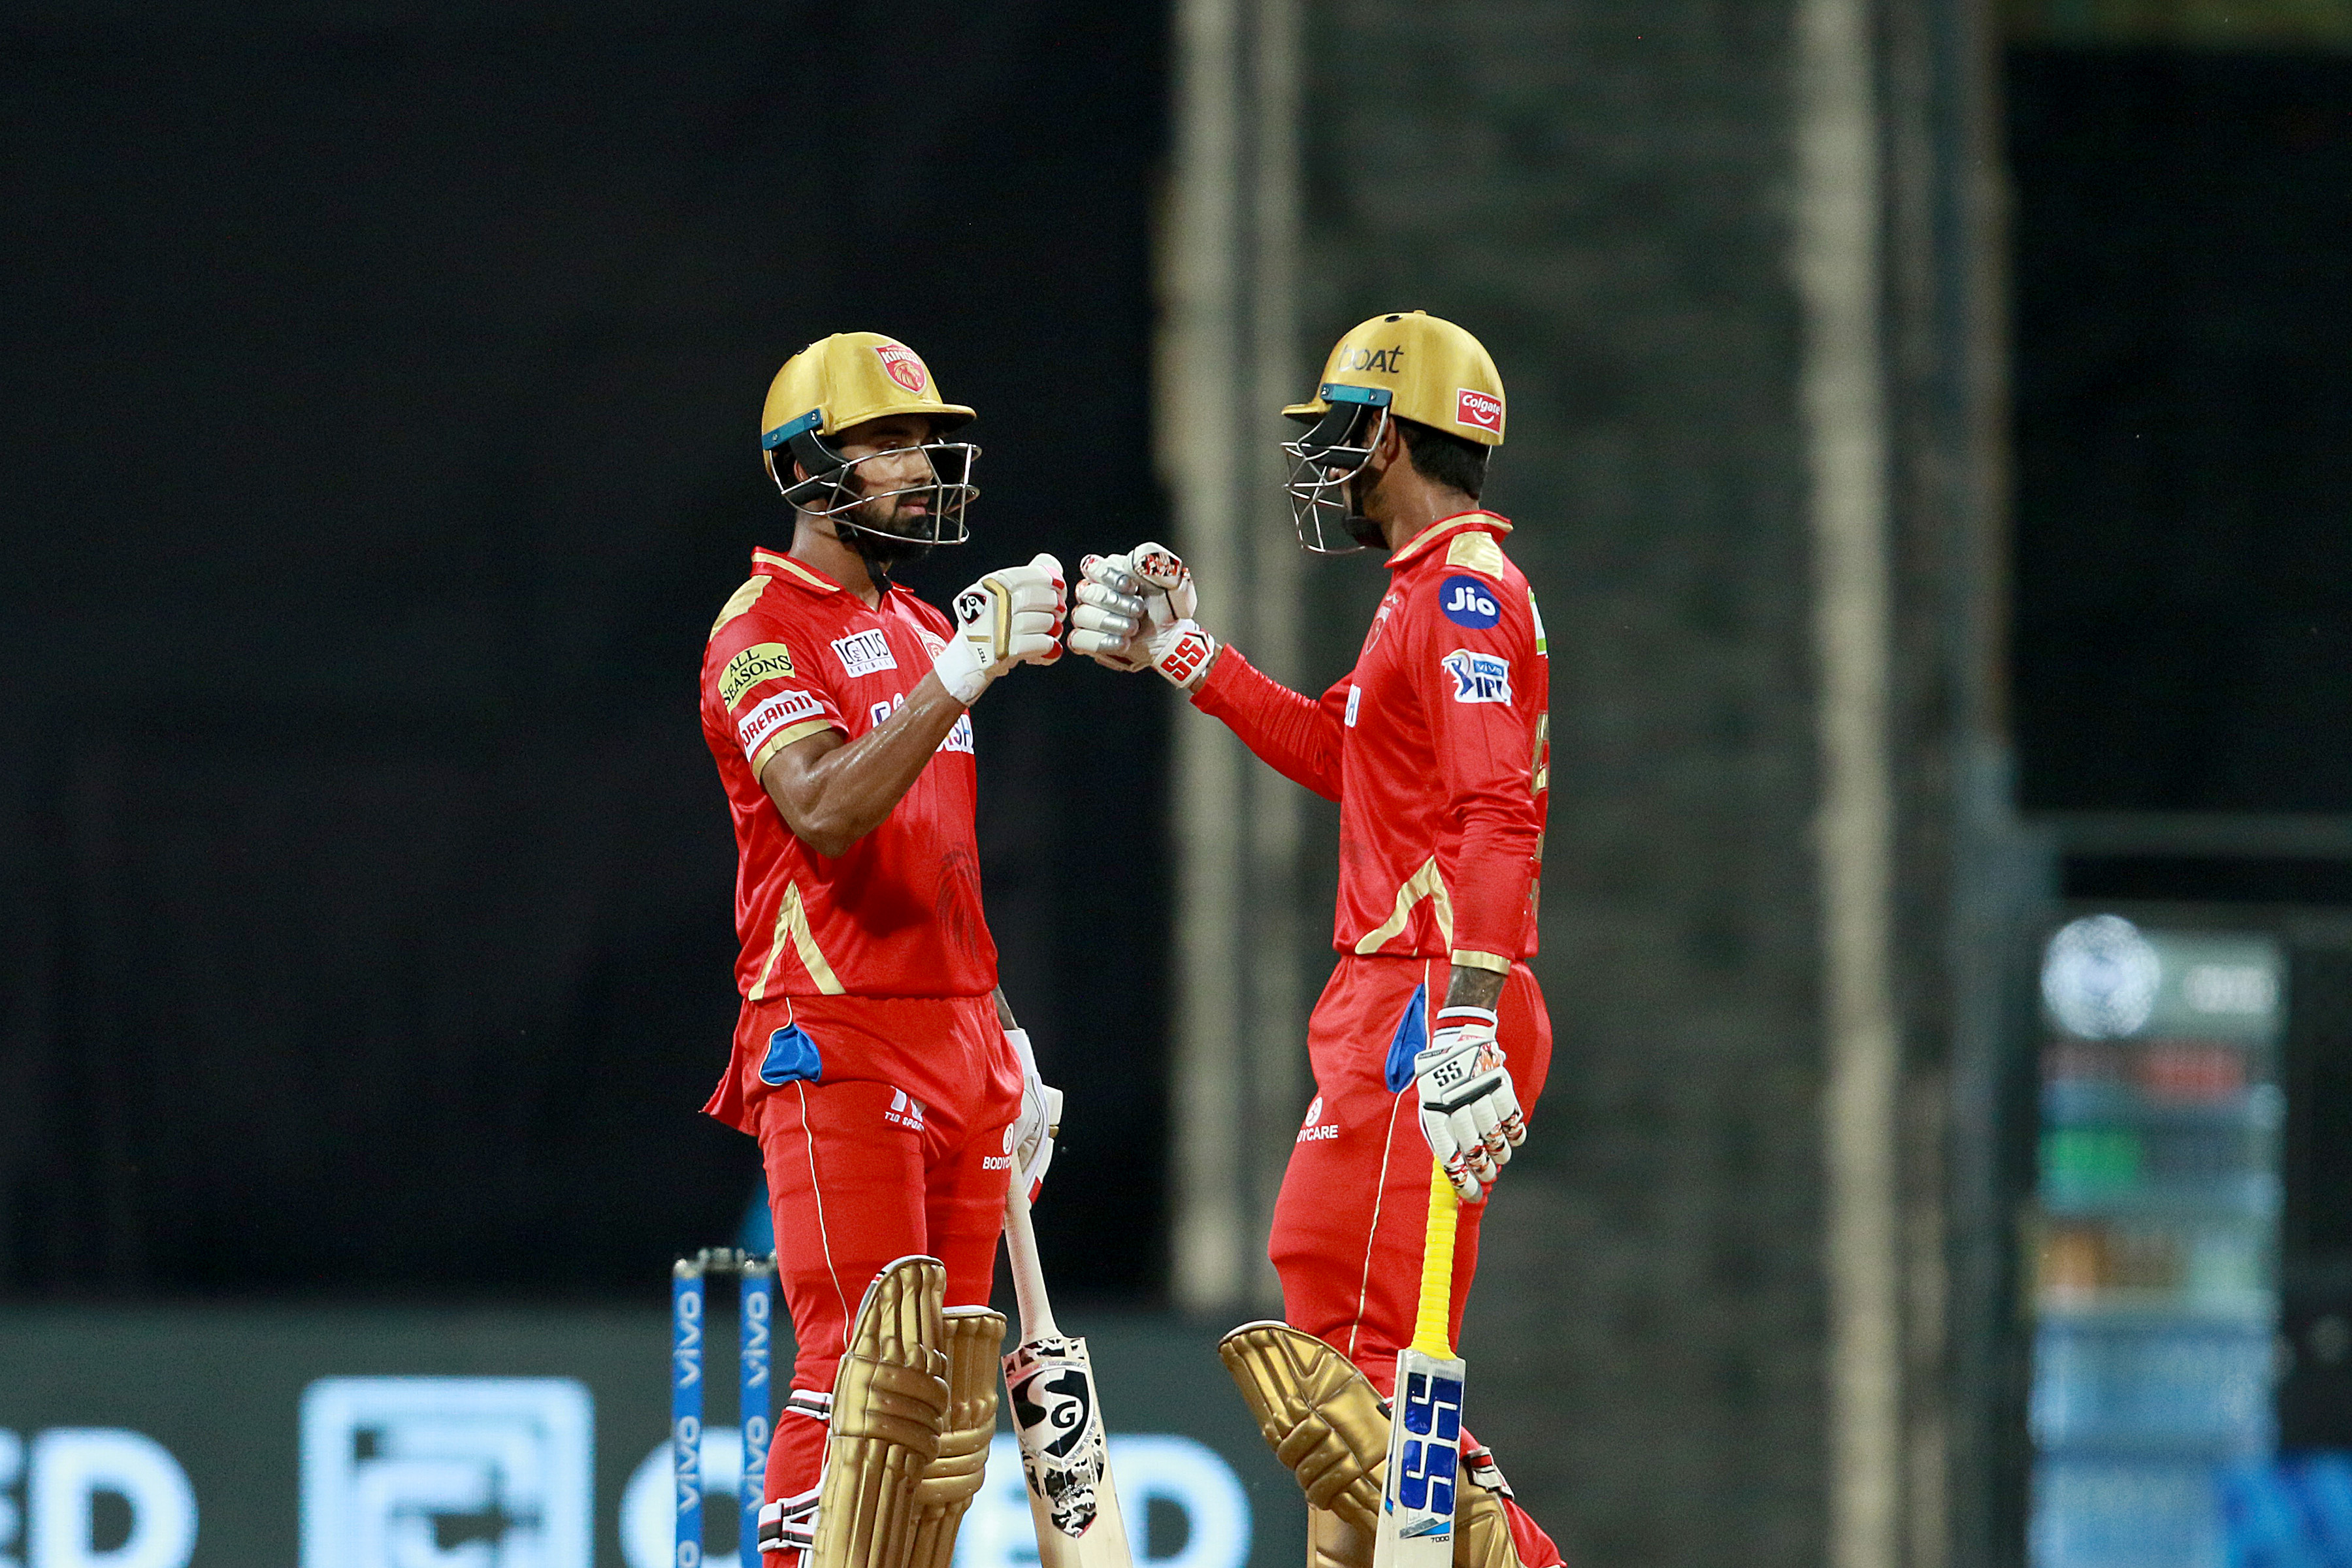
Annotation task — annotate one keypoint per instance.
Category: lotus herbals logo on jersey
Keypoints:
(1479, 676)
(1479, 410)
(1468, 602)
(761, 661)
(865, 653)
(905, 368)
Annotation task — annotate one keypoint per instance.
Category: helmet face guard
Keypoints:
(831, 488)
(1324, 463)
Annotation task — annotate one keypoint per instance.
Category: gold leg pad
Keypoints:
(1333, 1542)
(1318, 1414)
(889, 1403)
(975, 1338)
(1482, 1532)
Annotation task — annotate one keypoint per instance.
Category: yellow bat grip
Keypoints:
(1432, 1327)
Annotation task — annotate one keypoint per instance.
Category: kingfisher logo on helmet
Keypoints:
(904, 366)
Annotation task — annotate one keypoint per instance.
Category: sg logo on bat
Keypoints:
(1433, 1444)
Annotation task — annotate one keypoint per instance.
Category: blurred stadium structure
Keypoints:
(1930, 442)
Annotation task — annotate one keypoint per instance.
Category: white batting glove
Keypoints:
(1008, 618)
(1039, 1123)
(1469, 1112)
(1136, 611)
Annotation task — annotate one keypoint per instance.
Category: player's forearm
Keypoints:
(1289, 731)
(832, 801)
(1469, 987)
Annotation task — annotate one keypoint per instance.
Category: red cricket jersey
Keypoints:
(1436, 747)
(898, 913)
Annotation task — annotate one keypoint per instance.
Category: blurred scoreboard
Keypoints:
(229, 1437)
(2154, 1230)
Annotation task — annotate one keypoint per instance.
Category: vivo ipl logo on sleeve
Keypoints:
(400, 1470)
(1468, 603)
(1433, 1443)
(1479, 676)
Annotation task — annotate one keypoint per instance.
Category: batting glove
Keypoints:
(1039, 1123)
(1469, 1112)
(1136, 611)
(1008, 618)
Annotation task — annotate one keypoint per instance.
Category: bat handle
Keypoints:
(1028, 1277)
(1433, 1326)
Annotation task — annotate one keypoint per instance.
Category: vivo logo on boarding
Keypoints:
(400, 1471)
(65, 1471)
(1466, 603)
(1433, 1443)
(1479, 410)
(1479, 676)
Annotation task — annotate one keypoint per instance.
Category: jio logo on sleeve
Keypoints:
(1468, 603)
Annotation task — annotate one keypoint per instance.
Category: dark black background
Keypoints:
(381, 413)
(2183, 423)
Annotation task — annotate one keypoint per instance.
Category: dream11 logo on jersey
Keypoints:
(904, 366)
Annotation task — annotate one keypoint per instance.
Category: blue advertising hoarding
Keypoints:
(223, 1438)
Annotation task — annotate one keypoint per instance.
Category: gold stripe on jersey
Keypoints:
(1471, 958)
(793, 924)
(742, 599)
(785, 737)
(786, 563)
(1477, 550)
(1424, 883)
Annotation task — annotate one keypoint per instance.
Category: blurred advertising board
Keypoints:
(284, 1437)
(2155, 1237)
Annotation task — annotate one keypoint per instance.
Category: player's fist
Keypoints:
(1106, 624)
(1136, 609)
(1039, 1122)
(1469, 1112)
(1008, 618)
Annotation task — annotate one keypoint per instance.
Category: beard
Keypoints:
(1362, 529)
(880, 551)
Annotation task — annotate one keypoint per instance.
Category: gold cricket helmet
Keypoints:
(1419, 367)
(1406, 366)
(841, 382)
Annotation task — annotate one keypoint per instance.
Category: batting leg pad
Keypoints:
(1482, 1530)
(1319, 1415)
(1333, 1542)
(975, 1338)
(889, 1405)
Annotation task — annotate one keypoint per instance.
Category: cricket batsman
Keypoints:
(1431, 1036)
(874, 1059)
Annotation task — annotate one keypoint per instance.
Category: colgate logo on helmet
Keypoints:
(905, 368)
(1477, 410)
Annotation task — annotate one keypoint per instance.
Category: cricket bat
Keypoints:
(1057, 1420)
(1416, 1524)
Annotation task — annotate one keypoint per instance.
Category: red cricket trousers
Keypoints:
(1354, 1207)
(900, 1144)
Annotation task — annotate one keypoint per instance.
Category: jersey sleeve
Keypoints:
(762, 682)
(1294, 734)
(1483, 679)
